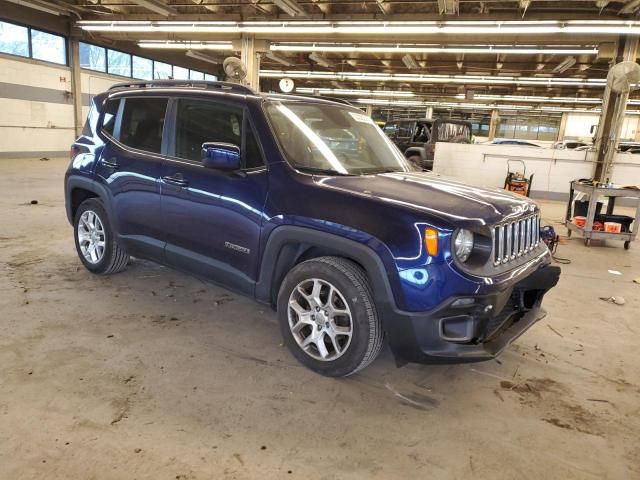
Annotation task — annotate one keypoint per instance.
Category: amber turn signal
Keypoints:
(431, 241)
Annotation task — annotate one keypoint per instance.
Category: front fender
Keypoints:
(285, 243)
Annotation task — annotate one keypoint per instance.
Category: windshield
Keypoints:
(454, 132)
(333, 139)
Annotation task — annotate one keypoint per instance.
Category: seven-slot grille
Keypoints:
(513, 239)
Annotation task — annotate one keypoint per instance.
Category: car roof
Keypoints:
(206, 86)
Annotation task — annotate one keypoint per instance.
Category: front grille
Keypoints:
(513, 239)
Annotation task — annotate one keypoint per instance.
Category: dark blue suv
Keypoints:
(304, 204)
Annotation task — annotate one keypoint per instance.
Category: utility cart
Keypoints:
(595, 192)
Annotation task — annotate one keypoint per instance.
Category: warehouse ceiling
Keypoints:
(397, 53)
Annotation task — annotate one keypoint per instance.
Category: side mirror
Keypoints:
(221, 156)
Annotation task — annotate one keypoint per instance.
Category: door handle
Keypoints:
(176, 179)
(111, 163)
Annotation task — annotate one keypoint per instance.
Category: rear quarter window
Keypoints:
(142, 123)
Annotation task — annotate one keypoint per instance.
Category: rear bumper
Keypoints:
(470, 328)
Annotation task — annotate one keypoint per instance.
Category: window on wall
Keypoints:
(93, 57)
(211, 78)
(118, 63)
(529, 127)
(194, 75)
(48, 47)
(180, 73)
(14, 39)
(161, 70)
(142, 68)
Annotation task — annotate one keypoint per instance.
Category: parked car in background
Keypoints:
(304, 205)
(513, 141)
(570, 145)
(630, 147)
(417, 138)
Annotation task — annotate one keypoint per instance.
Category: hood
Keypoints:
(457, 203)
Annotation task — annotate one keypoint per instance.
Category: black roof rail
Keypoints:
(325, 97)
(205, 84)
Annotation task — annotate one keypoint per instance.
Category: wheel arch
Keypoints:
(288, 246)
(420, 151)
(79, 189)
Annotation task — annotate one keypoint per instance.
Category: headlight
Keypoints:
(463, 243)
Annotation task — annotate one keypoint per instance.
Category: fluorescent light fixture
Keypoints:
(279, 59)
(424, 78)
(156, 6)
(320, 60)
(565, 65)
(358, 92)
(409, 62)
(461, 96)
(290, 7)
(46, 7)
(186, 45)
(431, 48)
(374, 27)
(202, 57)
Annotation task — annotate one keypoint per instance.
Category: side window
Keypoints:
(404, 130)
(110, 113)
(198, 122)
(142, 123)
(252, 154)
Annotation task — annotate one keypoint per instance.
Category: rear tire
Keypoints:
(95, 242)
(328, 318)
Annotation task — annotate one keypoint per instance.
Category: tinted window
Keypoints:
(45, 46)
(142, 123)
(199, 122)
(109, 119)
(252, 155)
(404, 129)
(93, 57)
(14, 39)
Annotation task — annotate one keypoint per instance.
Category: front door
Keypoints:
(130, 166)
(212, 218)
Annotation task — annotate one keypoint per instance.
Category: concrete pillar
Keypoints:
(493, 126)
(251, 58)
(369, 110)
(612, 116)
(563, 127)
(429, 113)
(76, 86)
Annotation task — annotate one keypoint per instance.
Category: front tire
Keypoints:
(328, 318)
(95, 242)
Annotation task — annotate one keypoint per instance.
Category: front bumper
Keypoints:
(470, 328)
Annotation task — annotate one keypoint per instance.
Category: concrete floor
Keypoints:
(153, 374)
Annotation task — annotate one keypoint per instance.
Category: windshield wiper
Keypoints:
(324, 171)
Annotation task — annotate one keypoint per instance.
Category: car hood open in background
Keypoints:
(439, 196)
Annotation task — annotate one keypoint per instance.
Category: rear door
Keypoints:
(130, 166)
(213, 218)
(405, 135)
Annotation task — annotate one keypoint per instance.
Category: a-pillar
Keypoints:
(76, 86)
(493, 126)
(251, 58)
(612, 116)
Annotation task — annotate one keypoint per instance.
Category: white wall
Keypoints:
(579, 126)
(36, 108)
(486, 165)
